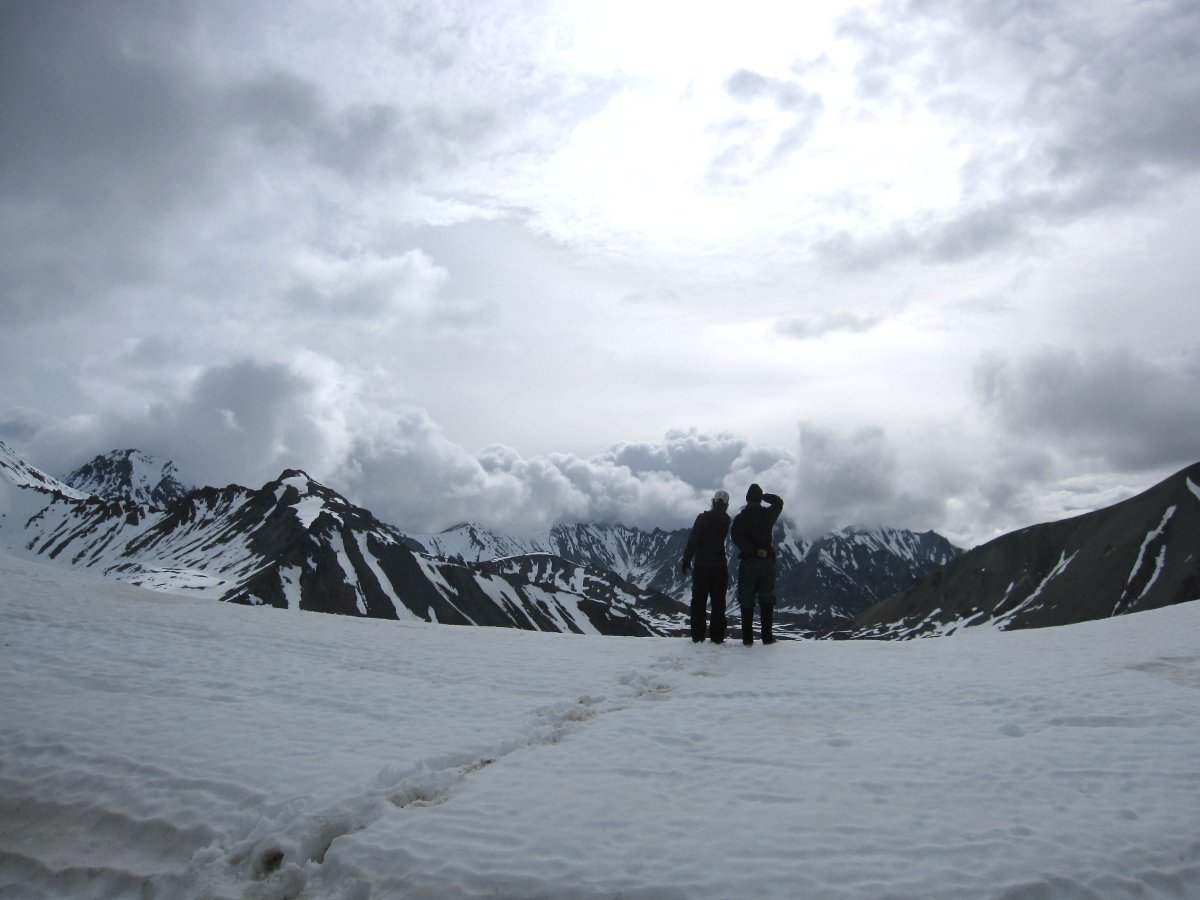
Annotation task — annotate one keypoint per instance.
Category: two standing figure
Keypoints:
(752, 532)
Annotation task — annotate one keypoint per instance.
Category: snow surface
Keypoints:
(162, 746)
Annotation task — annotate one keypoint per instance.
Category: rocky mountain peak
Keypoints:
(130, 474)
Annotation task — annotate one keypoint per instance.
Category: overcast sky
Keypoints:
(928, 264)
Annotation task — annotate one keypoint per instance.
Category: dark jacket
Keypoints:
(754, 527)
(706, 543)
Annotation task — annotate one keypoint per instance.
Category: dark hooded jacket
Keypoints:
(754, 527)
(706, 543)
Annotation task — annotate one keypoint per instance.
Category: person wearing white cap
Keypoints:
(710, 579)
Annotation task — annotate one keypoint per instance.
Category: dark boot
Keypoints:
(748, 625)
(768, 621)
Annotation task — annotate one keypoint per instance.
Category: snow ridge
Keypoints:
(22, 474)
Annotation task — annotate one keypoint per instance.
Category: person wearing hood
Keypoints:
(753, 534)
(710, 579)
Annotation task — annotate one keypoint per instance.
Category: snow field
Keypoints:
(176, 747)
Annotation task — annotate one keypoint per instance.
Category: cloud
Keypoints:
(20, 426)
(361, 242)
(1065, 428)
(818, 326)
(420, 478)
(1112, 407)
(367, 286)
(755, 141)
(112, 142)
(144, 165)
(1061, 115)
(844, 479)
(245, 421)
(700, 460)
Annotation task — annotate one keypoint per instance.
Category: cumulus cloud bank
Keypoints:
(246, 421)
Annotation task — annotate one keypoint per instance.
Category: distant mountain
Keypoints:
(1142, 553)
(820, 585)
(296, 544)
(846, 572)
(649, 559)
(130, 474)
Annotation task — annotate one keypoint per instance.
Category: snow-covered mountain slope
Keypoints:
(846, 572)
(130, 474)
(645, 558)
(296, 544)
(160, 747)
(18, 473)
(600, 585)
(469, 543)
(1142, 553)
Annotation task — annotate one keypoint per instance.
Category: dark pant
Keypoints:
(709, 586)
(756, 584)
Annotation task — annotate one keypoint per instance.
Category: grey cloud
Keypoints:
(700, 460)
(750, 147)
(1108, 111)
(246, 421)
(19, 426)
(748, 86)
(101, 143)
(413, 474)
(842, 476)
(977, 230)
(368, 140)
(810, 327)
(243, 421)
(375, 289)
(854, 478)
(83, 107)
(1130, 413)
(1121, 78)
(123, 157)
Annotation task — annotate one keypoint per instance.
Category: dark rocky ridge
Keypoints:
(132, 475)
(1142, 553)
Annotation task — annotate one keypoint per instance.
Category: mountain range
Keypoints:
(294, 543)
(820, 584)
